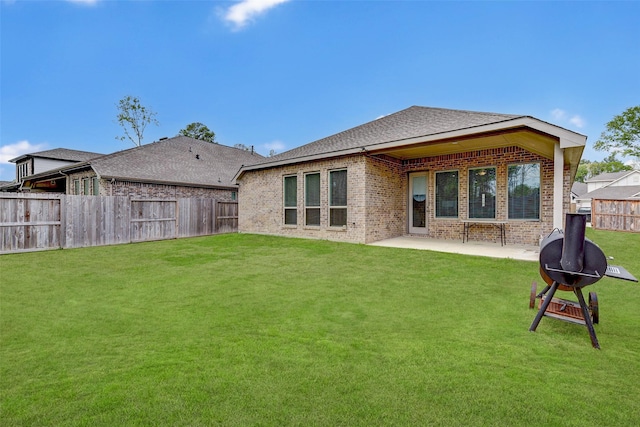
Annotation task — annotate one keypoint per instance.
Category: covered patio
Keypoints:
(487, 249)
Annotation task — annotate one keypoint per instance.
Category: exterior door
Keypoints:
(418, 203)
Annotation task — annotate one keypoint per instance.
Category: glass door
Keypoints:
(418, 203)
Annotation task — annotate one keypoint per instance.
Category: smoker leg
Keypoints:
(587, 317)
(545, 304)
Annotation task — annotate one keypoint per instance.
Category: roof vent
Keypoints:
(163, 138)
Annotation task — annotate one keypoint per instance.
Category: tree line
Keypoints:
(622, 135)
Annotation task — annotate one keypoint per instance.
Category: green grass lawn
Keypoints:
(240, 330)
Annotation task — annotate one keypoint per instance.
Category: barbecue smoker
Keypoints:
(570, 262)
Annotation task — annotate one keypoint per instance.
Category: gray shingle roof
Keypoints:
(608, 176)
(60, 154)
(412, 122)
(614, 193)
(178, 160)
(579, 188)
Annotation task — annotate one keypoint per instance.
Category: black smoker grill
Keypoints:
(569, 262)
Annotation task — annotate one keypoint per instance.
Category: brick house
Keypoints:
(421, 171)
(172, 167)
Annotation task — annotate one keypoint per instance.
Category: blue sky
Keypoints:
(277, 74)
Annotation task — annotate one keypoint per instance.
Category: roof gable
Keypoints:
(608, 176)
(412, 122)
(419, 127)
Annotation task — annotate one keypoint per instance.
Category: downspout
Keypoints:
(558, 187)
(66, 180)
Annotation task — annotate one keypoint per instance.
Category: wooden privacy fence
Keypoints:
(41, 221)
(618, 215)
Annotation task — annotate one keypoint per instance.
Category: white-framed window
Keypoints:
(234, 196)
(290, 199)
(482, 193)
(76, 187)
(23, 170)
(524, 191)
(312, 199)
(96, 186)
(86, 187)
(447, 194)
(338, 198)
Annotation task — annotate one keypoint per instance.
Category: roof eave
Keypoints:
(183, 184)
(567, 138)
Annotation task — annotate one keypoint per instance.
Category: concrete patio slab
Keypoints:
(488, 249)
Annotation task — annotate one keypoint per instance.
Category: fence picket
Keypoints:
(42, 221)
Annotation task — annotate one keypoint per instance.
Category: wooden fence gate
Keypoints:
(40, 221)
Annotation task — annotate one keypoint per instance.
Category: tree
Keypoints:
(199, 131)
(622, 134)
(243, 147)
(134, 118)
(588, 169)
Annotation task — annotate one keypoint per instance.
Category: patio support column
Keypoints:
(558, 179)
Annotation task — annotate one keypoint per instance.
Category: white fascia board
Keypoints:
(301, 159)
(567, 138)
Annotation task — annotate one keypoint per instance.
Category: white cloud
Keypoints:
(561, 116)
(246, 10)
(277, 146)
(11, 151)
(558, 114)
(577, 121)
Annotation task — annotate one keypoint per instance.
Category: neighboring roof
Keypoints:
(614, 193)
(60, 154)
(413, 125)
(608, 176)
(579, 188)
(178, 160)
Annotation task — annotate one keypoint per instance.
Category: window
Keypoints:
(76, 186)
(96, 186)
(291, 200)
(85, 186)
(234, 196)
(23, 170)
(338, 198)
(312, 199)
(482, 193)
(447, 194)
(524, 191)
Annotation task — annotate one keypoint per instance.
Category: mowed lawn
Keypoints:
(240, 330)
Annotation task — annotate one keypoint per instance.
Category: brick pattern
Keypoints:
(518, 231)
(149, 190)
(261, 207)
(378, 197)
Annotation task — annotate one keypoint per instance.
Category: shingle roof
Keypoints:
(579, 188)
(412, 122)
(608, 176)
(178, 160)
(614, 193)
(60, 154)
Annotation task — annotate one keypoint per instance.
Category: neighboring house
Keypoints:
(420, 171)
(172, 167)
(577, 190)
(44, 161)
(610, 186)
